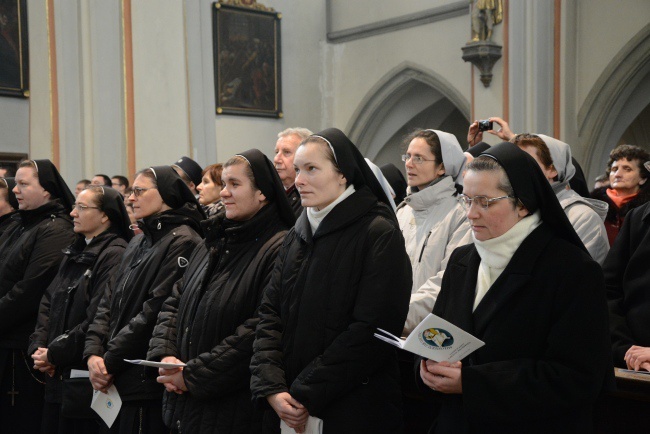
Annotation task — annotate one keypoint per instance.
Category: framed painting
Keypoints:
(246, 46)
(14, 50)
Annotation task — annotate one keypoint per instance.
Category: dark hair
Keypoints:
(214, 172)
(3, 187)
(541, 149)
(484, 163)
(432, 140)
(11, 171)
(148, 173)
(122, 179)
(85, 182)
(239, 160)
(107, 180)
(630, 153)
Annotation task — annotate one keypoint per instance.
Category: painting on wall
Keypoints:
(246, 45)
(14, 59)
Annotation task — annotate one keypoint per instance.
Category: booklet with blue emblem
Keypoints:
(435, 339)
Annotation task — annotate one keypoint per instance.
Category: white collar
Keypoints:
(315, 217)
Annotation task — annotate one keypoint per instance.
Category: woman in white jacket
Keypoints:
(586, 215)
(431, 220)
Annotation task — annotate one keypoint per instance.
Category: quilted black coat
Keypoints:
(209, 323)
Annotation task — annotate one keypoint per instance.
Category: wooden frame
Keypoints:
(14, 49)
(11, 159)
(246, 48)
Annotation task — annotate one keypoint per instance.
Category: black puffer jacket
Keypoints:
(70, 303)
(8, 223)
(127, 313)
(31, 256)
(328, 294)
(209, 323)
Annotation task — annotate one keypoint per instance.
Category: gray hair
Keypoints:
(303, 133)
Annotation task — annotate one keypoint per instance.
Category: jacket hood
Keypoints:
(187, 214)
(569, 197)
(429, 196)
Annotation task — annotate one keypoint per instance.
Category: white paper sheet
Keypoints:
(107, 405)
(435, 339)
(314, 426)
(79, 373)
(156, 364)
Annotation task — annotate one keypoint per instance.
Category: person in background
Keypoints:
(81, 185)
(209, 190)
(8, 206)
(600, 181)
(396, 180)
(341, 273)
(102, 180)
(169, 216)
(190, 172)
(528, 289)
(7, 172)
(628, 185)
(285, 150)
(120, 183)
(29, 259)
(209, 321)
(585, 214)
(69, 304)
(627, 277)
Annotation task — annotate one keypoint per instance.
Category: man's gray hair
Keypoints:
(303, 133)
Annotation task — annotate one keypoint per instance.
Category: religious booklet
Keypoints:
(435, 339)
(156, 364)
(107, 405)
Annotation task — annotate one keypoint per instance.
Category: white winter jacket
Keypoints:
(433, 224)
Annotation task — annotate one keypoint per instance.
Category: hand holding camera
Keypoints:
(476, 129)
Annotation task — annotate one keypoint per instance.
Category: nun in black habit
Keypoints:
(8, 206)
(102, 224)
(30, 256)
(342, 272)
(529, 290)
(169, 217)
(209, 321)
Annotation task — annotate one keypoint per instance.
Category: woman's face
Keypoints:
(239, 197)
(421, 175)
(148, 202)
(625, 177)
(549, 172)
(90, 221)
(208, 190)
(317, 180)
(29, 192)
(500, 215)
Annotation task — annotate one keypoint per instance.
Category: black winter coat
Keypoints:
(628, 284)
(209, 323)
(544, 323)
(70, 303)
(328, 294)
(294, 199)
(127, 313)
(615, 215)
(8, 223)
(31, 256)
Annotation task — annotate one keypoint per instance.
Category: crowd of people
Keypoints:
(259, 284)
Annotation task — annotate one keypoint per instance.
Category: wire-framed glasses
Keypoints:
(482, 201)
(79, 207)
(415, 159)
(137, 191)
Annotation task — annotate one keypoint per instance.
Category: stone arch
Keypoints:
(408, 95)
(619, 95)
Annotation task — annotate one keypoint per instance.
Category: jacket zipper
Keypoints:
(424, 246)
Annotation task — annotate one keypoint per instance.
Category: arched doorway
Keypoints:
(407, 98)
(617, 104)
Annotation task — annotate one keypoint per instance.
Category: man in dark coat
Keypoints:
(30, 258)
(627, 277)
(285, 150)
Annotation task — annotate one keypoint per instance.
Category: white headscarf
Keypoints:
(383, 182)
(561, 155)
(452, 154)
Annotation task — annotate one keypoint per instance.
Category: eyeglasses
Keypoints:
(137, 191)
(79, 207)
(482, 201)
(415, 159)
